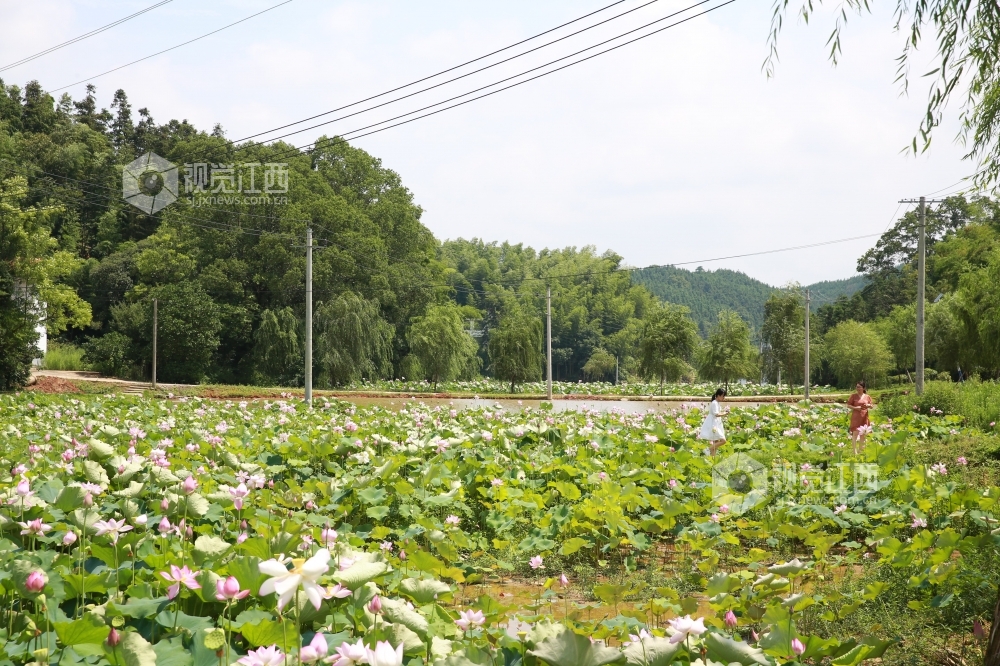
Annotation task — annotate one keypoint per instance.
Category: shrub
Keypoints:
(109, 354)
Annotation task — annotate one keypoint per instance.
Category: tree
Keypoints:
(31, 288)
(728, 353)
(353, 341)
(277, 350)
(899, 330)
(669, 337)
(977, 306)
(188, 334)
(855, 351)
(599, 365)
(963, 34)
(515, 349)
(784, 334)
(438, 341)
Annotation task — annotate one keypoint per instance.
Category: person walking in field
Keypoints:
(712, 428)
(859, 403)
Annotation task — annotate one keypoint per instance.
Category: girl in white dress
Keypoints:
(711, 428)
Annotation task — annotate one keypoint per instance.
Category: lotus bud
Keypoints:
(69, 539)
(88, 500)
(797, 646)
(731, 620)
(375, 605)
(114, 638)
(35, 582)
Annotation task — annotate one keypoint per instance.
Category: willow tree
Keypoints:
(728, 354)
(669, 338)
(353, 341)
(439, 342)
(515, 349)
(277, 349)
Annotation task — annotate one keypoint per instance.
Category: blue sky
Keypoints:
(673, 149)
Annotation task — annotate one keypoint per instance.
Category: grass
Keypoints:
(977, 401)
(64, 356)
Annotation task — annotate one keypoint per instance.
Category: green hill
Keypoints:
(707, 292)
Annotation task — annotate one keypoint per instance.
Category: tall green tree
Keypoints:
(899, 330)
(669, 338)
(444, 349)
(784, 335)
(855, 351)
(600, 364)
(515, 349)
(728, 353)
(353, 341)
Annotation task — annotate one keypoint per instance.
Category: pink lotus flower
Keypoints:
(385, 655)
(496, 483)
(113, 528)
(265, 656)
(23, 489)
(797, 646)
(238, 494)
(305, 573)
(563, 580)
(36, 582)
(469, 619)
(337, 591)
(114, 638)
(961, 460)
(536, 562)
(731, 620)
(69, 538)
(189, 485)
(229, 589)
(315, 651)
(348, 655)
(34, 527)
(328, 536)
(452, 521)
(375, 605)
(179, 576)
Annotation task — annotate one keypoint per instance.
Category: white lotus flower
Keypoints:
(304, 573)
(685, 626)
(385, 655)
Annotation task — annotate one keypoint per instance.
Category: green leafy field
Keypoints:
(194, 533)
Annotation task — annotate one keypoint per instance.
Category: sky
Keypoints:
(671, 150)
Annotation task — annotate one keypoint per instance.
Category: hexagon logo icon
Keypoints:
(739, 481)
(150, 183)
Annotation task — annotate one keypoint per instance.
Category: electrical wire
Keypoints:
(82, 37)
(452, 80)
(297, 150)
(153, 55)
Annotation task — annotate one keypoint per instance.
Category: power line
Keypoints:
(190, 41)
(438, 85)
(316, 144)
(82, 37)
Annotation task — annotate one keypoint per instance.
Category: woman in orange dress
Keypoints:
(859, 403)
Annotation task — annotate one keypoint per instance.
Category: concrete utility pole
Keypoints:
(616, 370)
(154, 341)
(806, 374)
(921, 286)
(921, 293)
(309, 316)
(548, 339)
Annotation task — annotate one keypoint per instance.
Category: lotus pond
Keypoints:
(189, 532)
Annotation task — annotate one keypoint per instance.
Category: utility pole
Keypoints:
(806, 373)
(309, 316)
(154, 341)
(616, 369)
(921, 288)
(921, 285)
(548, 340)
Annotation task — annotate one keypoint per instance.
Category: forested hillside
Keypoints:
(228, 276)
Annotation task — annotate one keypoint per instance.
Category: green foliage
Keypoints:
(783, 334)
(188, 331)
(109, 354)
(669, 338)
(856, 351)
(899, 331)
(599, 365)
(440, 343)
(353, 341)
(63, 356)
(728, 354)
(515, 349)
(276, 345)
